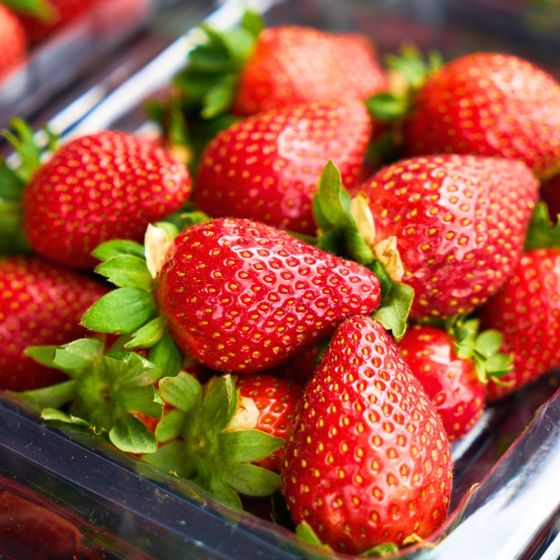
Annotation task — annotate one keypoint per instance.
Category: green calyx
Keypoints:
(104, 392)
(542, 232)
(30, 150)
(39, 9)
(408, 73)
(199, 440)
(483, 348)
(340, 234)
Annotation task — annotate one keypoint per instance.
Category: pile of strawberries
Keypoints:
(364, 264)
(24, 23)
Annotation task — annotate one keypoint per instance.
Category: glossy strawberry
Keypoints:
(368, 461)
(40, 303)
(527, 312)
(460, 223)
(266, 168)
(276, 400)
(291, 65)
(62, 12)
(451, 382)
(98, 187)
(13, 44)
(241, 296)
(492, 105)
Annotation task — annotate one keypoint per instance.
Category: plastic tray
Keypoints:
(506, 499)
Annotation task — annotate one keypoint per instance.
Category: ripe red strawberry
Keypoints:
(291, 65)
(241, 296)
(368, 461)
(40, 303)
(527, 312)
(276, 400)
(62, 12)
(266, 168)
(492, 105)
(13, 45)
(450, 381)
(460, 223)
(99, 187)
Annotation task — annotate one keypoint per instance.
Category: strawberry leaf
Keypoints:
(143, 400)
(166, 355)
(250, 480)
(54, 396)
(120, 311)
(542, 232)
(170, 426)
(386, 106)
(172, 458)
(39, 9)
(130, 435)
(148, 335)
(54, 415)
(306, 534)
(116, 248)
(182, 391)
(248, 445)
(394, 309)
(219, 402)
(222, 491)
(126, 271)
(385, 549)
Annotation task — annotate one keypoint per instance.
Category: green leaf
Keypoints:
(39, 9)
(172, 458)
(221, 491)
(385, 282)
(54, 396)
(253, 22)
(53, 415)
(219, 98)
(395, 308)
(143, 400)
(385, 549)
(130, 435)
(148, 335)
(182, 391)
(249, 479)
(117, 248)
(171, 426)
(121, 311)
(411, 65)
(11, 184)
(239, 42)
(78, 355)
(334, 200)
(306, 534)
(247, 445)
(166, 355)
(219, 402)
(387, 106)
(24, 143)
(129, 370)
(542, 233)
(489, 342)
(43, 355)
(126, 271)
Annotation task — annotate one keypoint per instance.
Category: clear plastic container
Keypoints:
(506, 499)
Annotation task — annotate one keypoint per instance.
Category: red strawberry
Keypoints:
(527, 312)
(13, 45)
(492, 105)
(266, 168)
(460, 223)
(291, 65)
(550, 193)
(63, 11)
(40, 303)
(276, 400)
(99, 187)
(368, 461)
(241, 296)
(450, 381)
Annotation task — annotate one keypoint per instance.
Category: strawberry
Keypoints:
(459, 223)
(236, 295)
(527, 309)
(61, 12)
(492, 105)
(241, 296)
(291, 65)
(40, 303)
(14, 44)
(276, 400)
(453, 368)
(266, 168)
(367, 461)
(96, 188)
